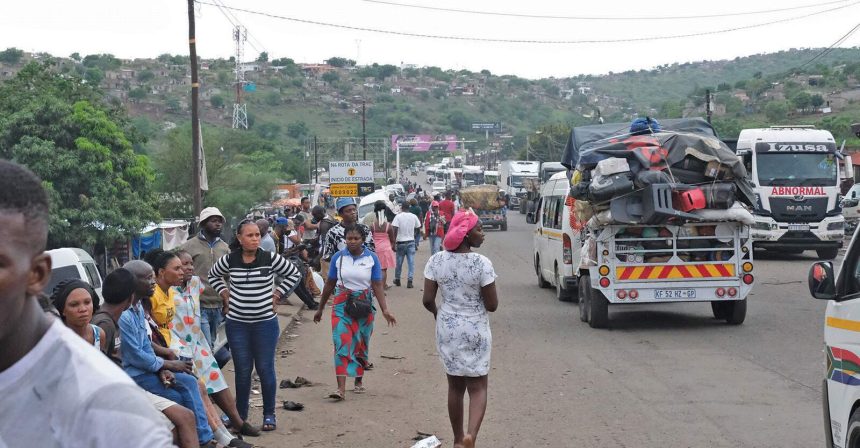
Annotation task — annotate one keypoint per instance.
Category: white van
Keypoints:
(556, 244)
(71, 262)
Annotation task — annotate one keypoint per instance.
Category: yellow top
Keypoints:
(163, 310)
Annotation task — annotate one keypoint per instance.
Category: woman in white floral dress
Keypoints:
(467, 283)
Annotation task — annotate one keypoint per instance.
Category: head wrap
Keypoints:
(462, 223)
(65, 287)
(343, 202)
(434, 204)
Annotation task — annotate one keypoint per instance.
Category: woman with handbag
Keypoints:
(467, 283)
(353, 272)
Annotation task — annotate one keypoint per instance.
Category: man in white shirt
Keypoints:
(405, 224)
(55, 389)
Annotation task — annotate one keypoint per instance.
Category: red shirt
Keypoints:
(446, 208)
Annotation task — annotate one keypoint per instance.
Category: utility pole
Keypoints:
(316, 167)
(708, 104)
(195, 122)
(363, 131)
(240, 109)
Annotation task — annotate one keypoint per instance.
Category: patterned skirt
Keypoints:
(464, 344)
(351, 337)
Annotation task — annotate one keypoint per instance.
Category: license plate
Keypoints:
(675, 294)
(798, 227)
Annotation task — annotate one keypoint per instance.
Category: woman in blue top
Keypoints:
(353, 272)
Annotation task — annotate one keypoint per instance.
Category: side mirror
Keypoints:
(853, 194)
(822, 281)
(530, 218)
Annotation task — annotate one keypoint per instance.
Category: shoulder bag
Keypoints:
(354, 307)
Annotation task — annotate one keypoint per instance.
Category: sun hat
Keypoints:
(209, 212)
(343, 202)
(462, 223)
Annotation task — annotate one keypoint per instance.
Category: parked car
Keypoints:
(840, 394)
(73, 263)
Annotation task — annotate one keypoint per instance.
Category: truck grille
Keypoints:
(803, 210)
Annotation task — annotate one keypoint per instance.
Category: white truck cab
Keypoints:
(840, 391)
(797, 173)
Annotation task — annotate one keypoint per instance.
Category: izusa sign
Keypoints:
(798, 191)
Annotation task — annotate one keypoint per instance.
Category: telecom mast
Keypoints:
(240, 109)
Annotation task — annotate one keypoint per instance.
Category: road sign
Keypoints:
(351, 190)
(495, 126)
(351, 172)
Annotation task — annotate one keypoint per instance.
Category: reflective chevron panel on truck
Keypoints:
(660, 272)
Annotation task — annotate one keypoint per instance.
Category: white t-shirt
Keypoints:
(66, 393)
(406, 224)
(288, 243)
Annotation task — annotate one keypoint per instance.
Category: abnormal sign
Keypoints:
(352, 172)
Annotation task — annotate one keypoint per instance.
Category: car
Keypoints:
(438, 187)
(365, 206)
(840, 394)
(397, 189)
(73, 263)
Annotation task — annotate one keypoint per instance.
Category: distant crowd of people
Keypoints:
(140, 365)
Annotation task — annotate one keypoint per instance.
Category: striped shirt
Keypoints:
(251, 285)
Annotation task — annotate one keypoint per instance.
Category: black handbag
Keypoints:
(354, 308)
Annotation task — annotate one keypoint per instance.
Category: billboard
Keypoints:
(495, 126)
(424, 142)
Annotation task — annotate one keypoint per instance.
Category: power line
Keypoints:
(559, 17)
(225, 10)
(829, 49)
(532, 41)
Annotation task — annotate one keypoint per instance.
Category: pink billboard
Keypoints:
(424, 142)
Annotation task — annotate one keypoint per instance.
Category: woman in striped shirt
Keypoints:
(250, 300)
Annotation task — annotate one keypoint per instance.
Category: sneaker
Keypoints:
(409, 284)
(396, 282)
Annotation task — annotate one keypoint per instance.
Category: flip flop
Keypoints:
(287, 384)
(293, 406)
(369, 366)
(359, 390)
(336, 396)
(301, 381)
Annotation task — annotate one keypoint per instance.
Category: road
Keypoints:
(661, 376)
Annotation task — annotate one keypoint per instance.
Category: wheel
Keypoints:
(598, 309)
(720, 309)
(504, 227)
(560, 293)
(584, 297)
(737, 312)
(852, 434)
(541, 282)
(828, 254)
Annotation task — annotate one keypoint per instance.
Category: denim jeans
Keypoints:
(405, 249)
(210, 320)
(253, 346)
(435, 244)
(417, 238)
(184, 392)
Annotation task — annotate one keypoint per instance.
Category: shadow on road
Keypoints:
(809, 256)
(660, 320)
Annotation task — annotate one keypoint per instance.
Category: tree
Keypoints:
(273, 99)
(83, 150)
(94, 75)
(776, 111)
(145, 75)
(268, 131)
(75, 56)
(459, 121)
(817, 101)
(102, 61)
(385, 71)
(340, 62)
(330, 77)
(138, 93)
(217, 101)
(802, 101)
(11, 55)
(263, 57)
(297, 129)
(223, 77)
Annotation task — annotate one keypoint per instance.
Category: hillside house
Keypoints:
(315, 70)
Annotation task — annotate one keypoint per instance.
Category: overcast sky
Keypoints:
(147, 28)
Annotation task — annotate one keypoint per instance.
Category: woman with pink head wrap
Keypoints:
(467, 283)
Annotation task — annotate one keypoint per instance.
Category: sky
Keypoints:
(147, 28)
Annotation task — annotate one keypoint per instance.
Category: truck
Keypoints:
(511, 175)
(472, 175)
(797, 173)
(656, 241)
(484, 201)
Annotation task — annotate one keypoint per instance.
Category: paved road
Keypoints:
(661, 376)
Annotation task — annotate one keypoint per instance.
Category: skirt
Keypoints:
(383, 250)
(464, 344)
(351, 337)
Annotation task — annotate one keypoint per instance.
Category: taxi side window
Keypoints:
(559, 212)
(549, 212)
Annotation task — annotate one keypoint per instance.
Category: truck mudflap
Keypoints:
(696, 262)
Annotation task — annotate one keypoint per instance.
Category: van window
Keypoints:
(559, 212)
(93, 277)
(60, 274)
(549, 212)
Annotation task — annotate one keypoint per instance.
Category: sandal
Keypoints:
(293, 406)
(336, 395)
(369, 366)
(248, 430)
(359, 390)
(269, 423)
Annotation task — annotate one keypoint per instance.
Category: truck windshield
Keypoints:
(473, 176)
(549, 173)
(817, 170)
(517, 181)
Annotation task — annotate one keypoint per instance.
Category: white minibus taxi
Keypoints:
(556, 243)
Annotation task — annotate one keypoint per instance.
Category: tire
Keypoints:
(720, 309)
(827, 254)
(560, 293)
(737, 312)
(504, 227)
(584, 297)
(598, 309)
(541, 282)
(852, 433)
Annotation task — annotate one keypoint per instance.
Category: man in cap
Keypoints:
(206, 249)
(334, 238)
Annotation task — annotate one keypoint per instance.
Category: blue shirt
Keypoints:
(355, 273)
(138, 357)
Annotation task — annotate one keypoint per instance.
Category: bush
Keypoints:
(11, 55)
